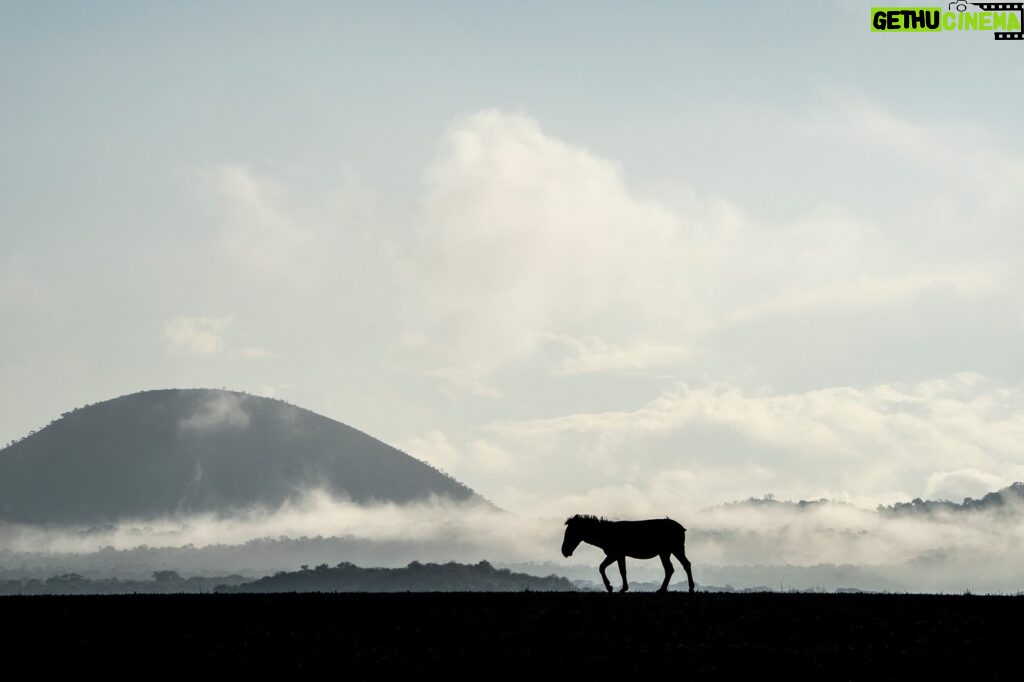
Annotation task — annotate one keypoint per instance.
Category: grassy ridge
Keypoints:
(507, 635)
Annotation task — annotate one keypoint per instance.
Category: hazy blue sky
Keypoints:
(620, 257)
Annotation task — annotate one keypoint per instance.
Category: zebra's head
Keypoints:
(575, 530)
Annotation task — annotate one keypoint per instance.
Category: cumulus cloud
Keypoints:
(201, 336)
(525, 240)
(521, 233)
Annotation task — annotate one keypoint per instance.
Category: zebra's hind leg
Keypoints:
(681, 556)
(622, 572)
(666, 561)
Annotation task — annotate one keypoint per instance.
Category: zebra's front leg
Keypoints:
(605, 564)
(622, 571)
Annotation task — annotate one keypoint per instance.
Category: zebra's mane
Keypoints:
(585, 518)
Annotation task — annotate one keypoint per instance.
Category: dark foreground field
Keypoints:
(460, 635)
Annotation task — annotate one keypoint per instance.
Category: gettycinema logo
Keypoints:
(998, 17)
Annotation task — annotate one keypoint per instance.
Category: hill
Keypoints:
(416, 577)
(181, 451)
(345, 577)
(1007, 500)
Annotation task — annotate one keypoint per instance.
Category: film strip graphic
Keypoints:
(1003, 6)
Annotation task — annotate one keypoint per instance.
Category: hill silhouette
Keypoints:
(345, 577)
(416, 577)
(180, 451)
(1008, 500)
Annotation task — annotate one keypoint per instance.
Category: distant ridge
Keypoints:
(1008, 499)
(179, 451)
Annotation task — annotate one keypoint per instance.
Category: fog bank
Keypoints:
(755, 543)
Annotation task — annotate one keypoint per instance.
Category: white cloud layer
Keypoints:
(979, 551)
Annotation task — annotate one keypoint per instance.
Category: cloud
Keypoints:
(254, 352)
(521, 233)
(222, 412)
(938, 552)
(450, 525)
(260, 230)
(962, 483)
(964, 172)
(594, 354)
(696, 446)
(480, 455)
(465, 378)
(525, 240)
(297, 230)
(205, 337)
(201, 336)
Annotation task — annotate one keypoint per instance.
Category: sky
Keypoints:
(601, 257)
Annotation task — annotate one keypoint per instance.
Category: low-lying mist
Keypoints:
(756, 543)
